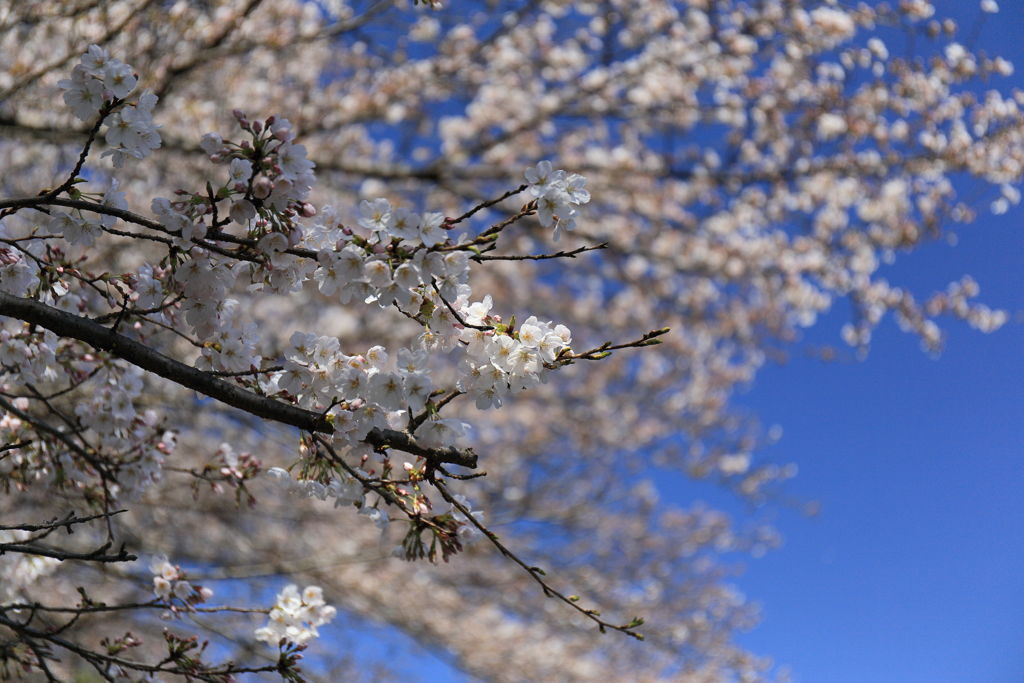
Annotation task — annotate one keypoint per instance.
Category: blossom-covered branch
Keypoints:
(748, 166)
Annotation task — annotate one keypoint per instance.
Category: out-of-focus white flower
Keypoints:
(295, 616)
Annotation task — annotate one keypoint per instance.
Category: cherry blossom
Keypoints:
(364, 302)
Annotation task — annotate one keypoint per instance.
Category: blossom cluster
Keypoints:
(34, 357)
(394, 258)
(99, 81)
(364, 270)
(344, 490)
(18, 571)
(267, 175)
(134, 441)
(171, 582)
(82, 228)
(557, 194)
(500, 359)
(468, 531)
(295, 616)
(363, 390)
(17, 273)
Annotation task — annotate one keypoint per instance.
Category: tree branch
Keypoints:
(83, 329)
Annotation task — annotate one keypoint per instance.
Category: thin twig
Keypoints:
(538, 257)
(484, 205)
(458, 318)
(536, 573)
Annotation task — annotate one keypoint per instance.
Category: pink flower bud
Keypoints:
(307, 210)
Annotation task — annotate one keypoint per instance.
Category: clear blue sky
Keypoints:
(914, 569)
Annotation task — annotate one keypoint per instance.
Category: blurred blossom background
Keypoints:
(810, 480)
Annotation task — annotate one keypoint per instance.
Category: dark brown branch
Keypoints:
(432, 407)
(84, 205)
(102, 661)
(65, 522)
(153, 604)
(83, 329)
(391, 438)
(97, 555)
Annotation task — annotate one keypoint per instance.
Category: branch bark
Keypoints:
(65, 324)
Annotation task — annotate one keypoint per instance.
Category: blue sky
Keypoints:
(914, 569)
